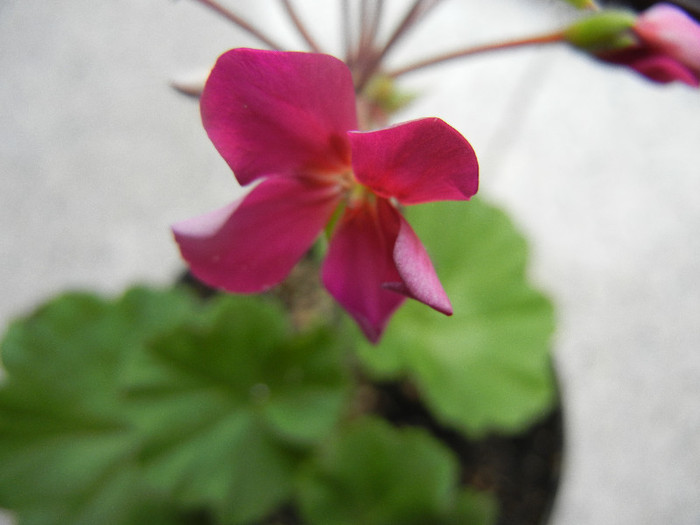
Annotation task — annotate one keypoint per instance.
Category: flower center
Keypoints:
(358, 194)
(354, 193)
(345, 186)
(347, 181)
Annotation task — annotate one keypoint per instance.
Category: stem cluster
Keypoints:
(363, 49)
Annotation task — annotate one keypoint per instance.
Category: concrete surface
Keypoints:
(599, 168)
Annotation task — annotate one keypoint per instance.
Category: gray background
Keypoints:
(598, 167)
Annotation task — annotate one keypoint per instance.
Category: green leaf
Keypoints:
(486, 368)
(375, 474)
(67, 449)
(229, 405)
(147, 408)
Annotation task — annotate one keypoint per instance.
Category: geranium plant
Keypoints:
(245, 394)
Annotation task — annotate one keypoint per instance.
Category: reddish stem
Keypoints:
(301, 28)
(417, 11)
(461, 53)
(241, 23)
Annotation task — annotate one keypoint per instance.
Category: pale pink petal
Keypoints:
(420, 161)
(278, 113)
(668, 29)
(358, 264)
(253, 244)
(418, 278)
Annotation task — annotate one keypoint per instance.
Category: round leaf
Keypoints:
(487, 367)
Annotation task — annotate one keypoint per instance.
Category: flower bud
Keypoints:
(382, 92)
(604, 31)
(662, 44)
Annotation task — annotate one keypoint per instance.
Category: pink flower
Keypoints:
(667, 49)
(287, 121)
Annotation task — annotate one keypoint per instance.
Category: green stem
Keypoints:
(462, 53)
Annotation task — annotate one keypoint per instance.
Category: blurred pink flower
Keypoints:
(287, 121)
(667, 49)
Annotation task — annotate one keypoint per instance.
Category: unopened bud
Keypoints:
(382, 92)
(604, 31)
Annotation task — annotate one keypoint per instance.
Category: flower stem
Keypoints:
(346, 24)
(364, 43)
(417, 11)
(370, 16)
(549, 38)
(376, 19)
(301, 28)
(241, 23)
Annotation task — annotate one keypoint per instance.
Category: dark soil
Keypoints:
(522, 471)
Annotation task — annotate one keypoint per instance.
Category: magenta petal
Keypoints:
(420, 161)
(358, 264)
(663, 69)
(253, 244)
(277, 113)
(418, 278)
